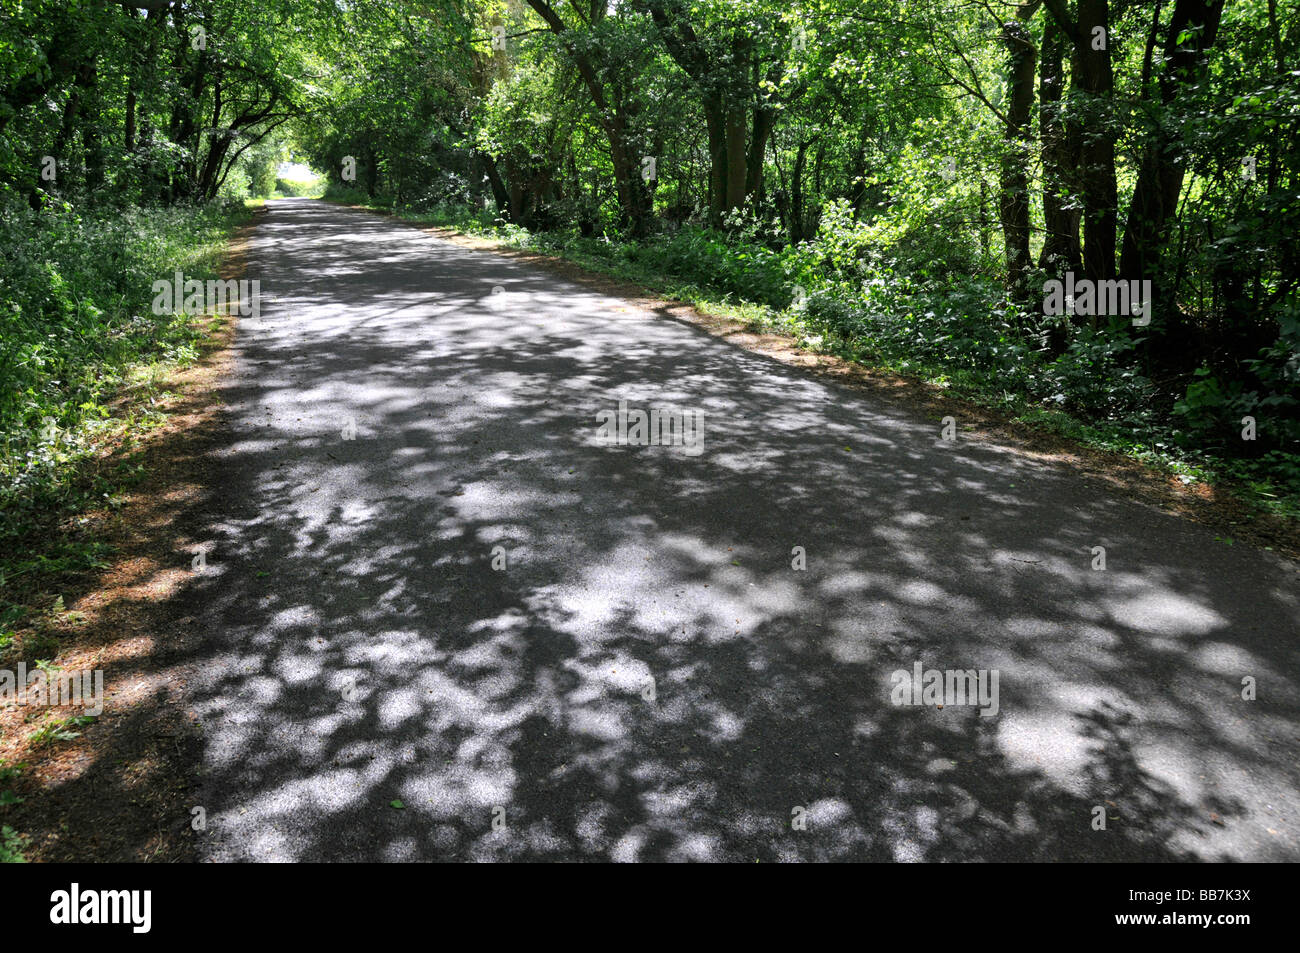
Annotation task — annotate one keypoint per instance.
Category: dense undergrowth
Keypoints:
(82, 356)
(906, 304)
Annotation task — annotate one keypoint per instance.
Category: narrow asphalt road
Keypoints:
(640, 673)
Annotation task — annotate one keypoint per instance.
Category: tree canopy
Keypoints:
(923, 143)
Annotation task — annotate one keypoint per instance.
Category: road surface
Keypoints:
(444, 620)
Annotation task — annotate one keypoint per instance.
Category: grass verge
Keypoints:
(88, 562)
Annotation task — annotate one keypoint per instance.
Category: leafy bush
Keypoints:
(11, 846)
(236, 186)
(294, 189)
(1097, 376)
(352, 195)
(76, 321)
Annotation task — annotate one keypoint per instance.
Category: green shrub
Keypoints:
(76, 321)
(11, 846)
(294, 188)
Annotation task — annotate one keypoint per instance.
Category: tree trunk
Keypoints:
(1059, 153)
(1013, 205)
(797, 233)
(1095, 80)
(717, 160)
(764, 122)
(67, 127)
(500, 193)
(736, 158)
(372, 170)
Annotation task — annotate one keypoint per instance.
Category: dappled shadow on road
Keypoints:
(648, 677)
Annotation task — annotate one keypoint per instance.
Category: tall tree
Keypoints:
(1017, 132)
(1059, 151)
(738, 82)
(1191, 33)
(614, 113)
(1093, 83)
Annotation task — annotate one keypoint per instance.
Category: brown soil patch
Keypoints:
(121, 791)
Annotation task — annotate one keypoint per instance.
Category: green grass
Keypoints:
(11, 842)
